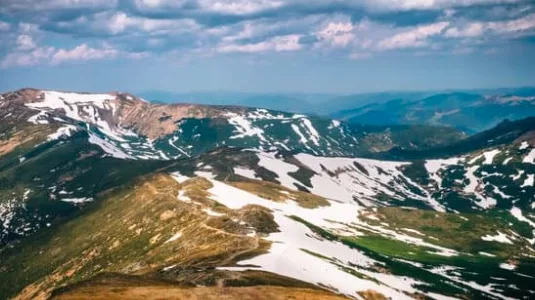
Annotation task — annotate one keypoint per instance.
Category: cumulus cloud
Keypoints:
(416, 37)
(239, 7)
(25, 42)
(353, 29)
(477, 29)
(471, 30)
(336, 34)
(13, 6)
(429, 4)
(54, 56)
(117, 23)
(26, 59)
(521, 24)
(277, 44)
(83, 53)
(150, 4)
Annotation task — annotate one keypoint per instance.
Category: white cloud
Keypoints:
(390, 5)
(471, 30)
(263, 28)
(277, 44)
(522, 24)
(116, 23)
(25, 42)
(119, 22)
(31, 58)
(28, 28)
(32, 5)
(53, 56)
(477, 29)
(83, 53)
(249, 30)
(151, 4)
(413, 38)
(338, 34)
(239, 7)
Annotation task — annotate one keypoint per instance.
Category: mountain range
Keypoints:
(111, 196)
(469, 111)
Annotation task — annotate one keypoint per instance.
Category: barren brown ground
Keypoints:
(200, 293)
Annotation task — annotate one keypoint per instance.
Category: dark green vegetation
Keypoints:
(284, 131)
(407, 137)
(130, 230)
(504, 133)
(54, 171)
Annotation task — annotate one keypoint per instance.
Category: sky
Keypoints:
(333, 46)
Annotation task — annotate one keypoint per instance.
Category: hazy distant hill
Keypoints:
(471, 112)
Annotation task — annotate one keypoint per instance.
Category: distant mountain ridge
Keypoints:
(469, 112)
(326, 104)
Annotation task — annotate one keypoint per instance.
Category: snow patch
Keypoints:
(500, 237)
(65, 131)
(77, 200)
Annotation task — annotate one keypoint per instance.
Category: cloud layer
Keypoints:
(53, 32)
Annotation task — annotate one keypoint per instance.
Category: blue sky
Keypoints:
(266, 46)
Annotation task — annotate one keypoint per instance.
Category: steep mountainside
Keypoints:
(93, 205)
(469, 112)
(129, 127)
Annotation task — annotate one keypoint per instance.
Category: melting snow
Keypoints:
(314, 135)
(489, 156)
(175, 237)
(65, 131)
(530, 157)
(245, 173)
(517, 213)
(507, 266)
(516, 177)
(77, 200)
(108, 146)
(302, 139)
(500, 237)
(351, 181)
(212, 213)
(435, 165)
(530, 180)
(279, 167)
(245, 127)
(286, 255)
(179, 177)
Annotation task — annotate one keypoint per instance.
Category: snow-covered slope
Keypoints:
(131, 128)
(499, 177)
(313, 245)
(128, 127)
